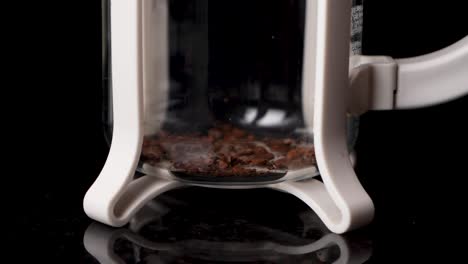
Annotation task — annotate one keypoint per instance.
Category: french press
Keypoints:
(249, 94)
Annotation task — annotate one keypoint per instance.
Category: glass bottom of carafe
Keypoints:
(264, 178)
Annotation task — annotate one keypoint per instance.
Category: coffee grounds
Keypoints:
(226, 151)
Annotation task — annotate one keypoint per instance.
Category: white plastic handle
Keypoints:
(383, 83)
(434, 78)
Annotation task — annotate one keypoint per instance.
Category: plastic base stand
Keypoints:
(311, 191)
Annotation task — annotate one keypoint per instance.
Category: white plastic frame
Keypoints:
(340, 200)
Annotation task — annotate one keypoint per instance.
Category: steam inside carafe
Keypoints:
(227, 151)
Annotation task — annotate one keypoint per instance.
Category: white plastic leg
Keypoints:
(117, 210)
(340, 201)
(115, 196)
(147, 214)
(314, 193)
(138, 193)
(101, 199)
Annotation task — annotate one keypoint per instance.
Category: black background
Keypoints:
(412, 163)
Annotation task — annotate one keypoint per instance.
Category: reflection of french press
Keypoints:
(250, 94)
(162, 234)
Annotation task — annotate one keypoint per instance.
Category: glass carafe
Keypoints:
(223, 90)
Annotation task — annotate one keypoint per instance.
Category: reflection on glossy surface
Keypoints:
(195, 228)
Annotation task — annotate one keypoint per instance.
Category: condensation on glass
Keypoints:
(222, 89)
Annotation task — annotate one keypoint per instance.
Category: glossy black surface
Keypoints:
(412, 163)
(189, 226)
